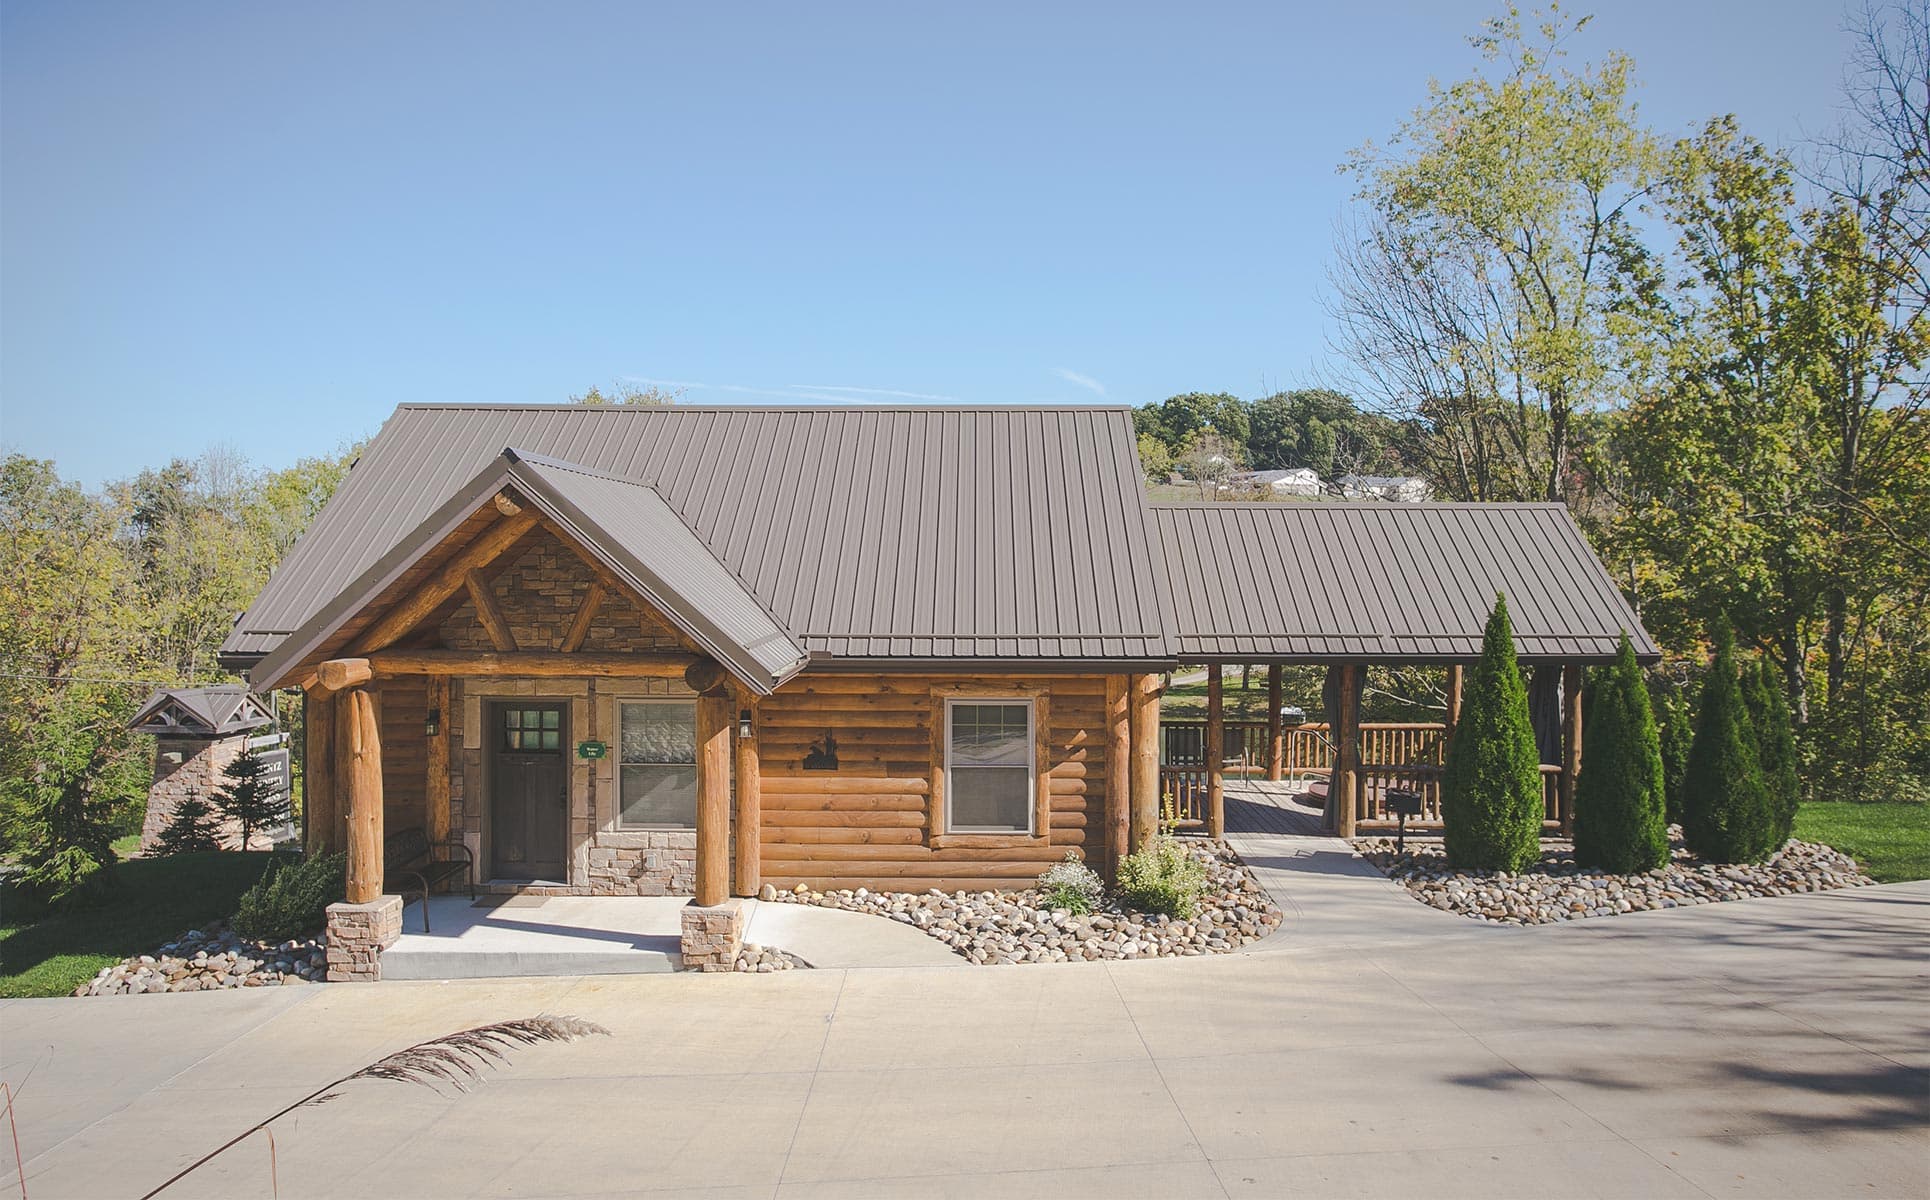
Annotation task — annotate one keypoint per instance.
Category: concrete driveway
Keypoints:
(1767, 1048)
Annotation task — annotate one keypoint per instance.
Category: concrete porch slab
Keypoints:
(561, 935)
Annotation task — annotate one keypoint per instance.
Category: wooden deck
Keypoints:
(1256, 806)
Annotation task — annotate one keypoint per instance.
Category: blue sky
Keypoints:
(267, 224)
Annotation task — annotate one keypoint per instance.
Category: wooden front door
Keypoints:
(529, 798)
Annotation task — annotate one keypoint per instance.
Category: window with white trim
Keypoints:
(657, 765)
(989, 766)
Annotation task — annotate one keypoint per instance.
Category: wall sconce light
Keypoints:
(744, 728)
(433, 725)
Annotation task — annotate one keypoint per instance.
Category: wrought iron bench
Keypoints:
(408, 854)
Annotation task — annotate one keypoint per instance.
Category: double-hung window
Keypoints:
(989, 766)
(657, 767)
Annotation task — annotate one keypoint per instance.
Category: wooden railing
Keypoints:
(1404, 755)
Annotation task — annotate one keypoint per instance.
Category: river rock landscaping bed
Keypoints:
(1558, 889)
(206, 960)
(999, 928)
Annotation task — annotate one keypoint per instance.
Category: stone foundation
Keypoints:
(357, 935)
(713, 936)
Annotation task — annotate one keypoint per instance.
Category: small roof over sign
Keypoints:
(221, 710)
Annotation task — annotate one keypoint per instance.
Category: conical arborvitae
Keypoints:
(1620, 824)
(1677, 735)
(1775, 750)
(1727, 806)
(1491, 803)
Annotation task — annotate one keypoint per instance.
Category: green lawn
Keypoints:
(153, 899)
(1891, 841)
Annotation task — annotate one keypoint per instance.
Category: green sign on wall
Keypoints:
(591, 749)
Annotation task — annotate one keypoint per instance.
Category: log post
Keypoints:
(363, 772)
(321, 795)
(1456, 675)
(436, 792)
(1571, 743)
(1215, 753)
(713, 799)
(1144, 719)
(1276, 737)
(1345, 788)
(1119, 758)
(750, 810)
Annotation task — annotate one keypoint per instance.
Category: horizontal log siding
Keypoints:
(870, 824)
(403, 704)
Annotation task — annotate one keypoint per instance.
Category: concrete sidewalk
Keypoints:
(1765, 1048)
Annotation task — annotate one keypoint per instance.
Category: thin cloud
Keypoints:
(1085, 381)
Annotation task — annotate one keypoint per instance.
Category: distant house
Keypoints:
(1404, 489)
(1295, 481)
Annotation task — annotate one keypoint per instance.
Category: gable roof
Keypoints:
(863, 533)
(216, 711)
(1387, 581)
(625, 526)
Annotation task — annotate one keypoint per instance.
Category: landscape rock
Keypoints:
(216, 957)
(1560, 889)
(1007, 927)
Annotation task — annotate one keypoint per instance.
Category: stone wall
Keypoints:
(357, 935)
(540, 594)
(711, 937)
(199, 771)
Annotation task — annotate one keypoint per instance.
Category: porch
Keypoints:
(1344, 773)
(526, 935)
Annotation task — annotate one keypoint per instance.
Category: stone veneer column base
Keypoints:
(712, 936)
(357, 935)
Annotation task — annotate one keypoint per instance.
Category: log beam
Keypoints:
(341, 674)
(446, 582)
(1144, 718)
(706, 677)
(1346, 782)
(750, 810)
(585, 617)
(489, 612)
(547, 663)
(505, 505)
(1276, 736)
(321, 798)
(1215, 752)
(363, 772)
(1119, 758)
(1571, 744)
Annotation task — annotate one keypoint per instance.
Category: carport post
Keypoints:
(1215, 754)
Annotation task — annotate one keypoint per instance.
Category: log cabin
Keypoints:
(692, 651)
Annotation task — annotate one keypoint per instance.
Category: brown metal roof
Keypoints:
(214, 711)
(903, 533)
(1386, 581)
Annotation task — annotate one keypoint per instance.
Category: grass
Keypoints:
(1186, 698)
(1890, 840)
(46, 953)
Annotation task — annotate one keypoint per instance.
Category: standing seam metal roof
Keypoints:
(1388, 581)
(939, 533)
